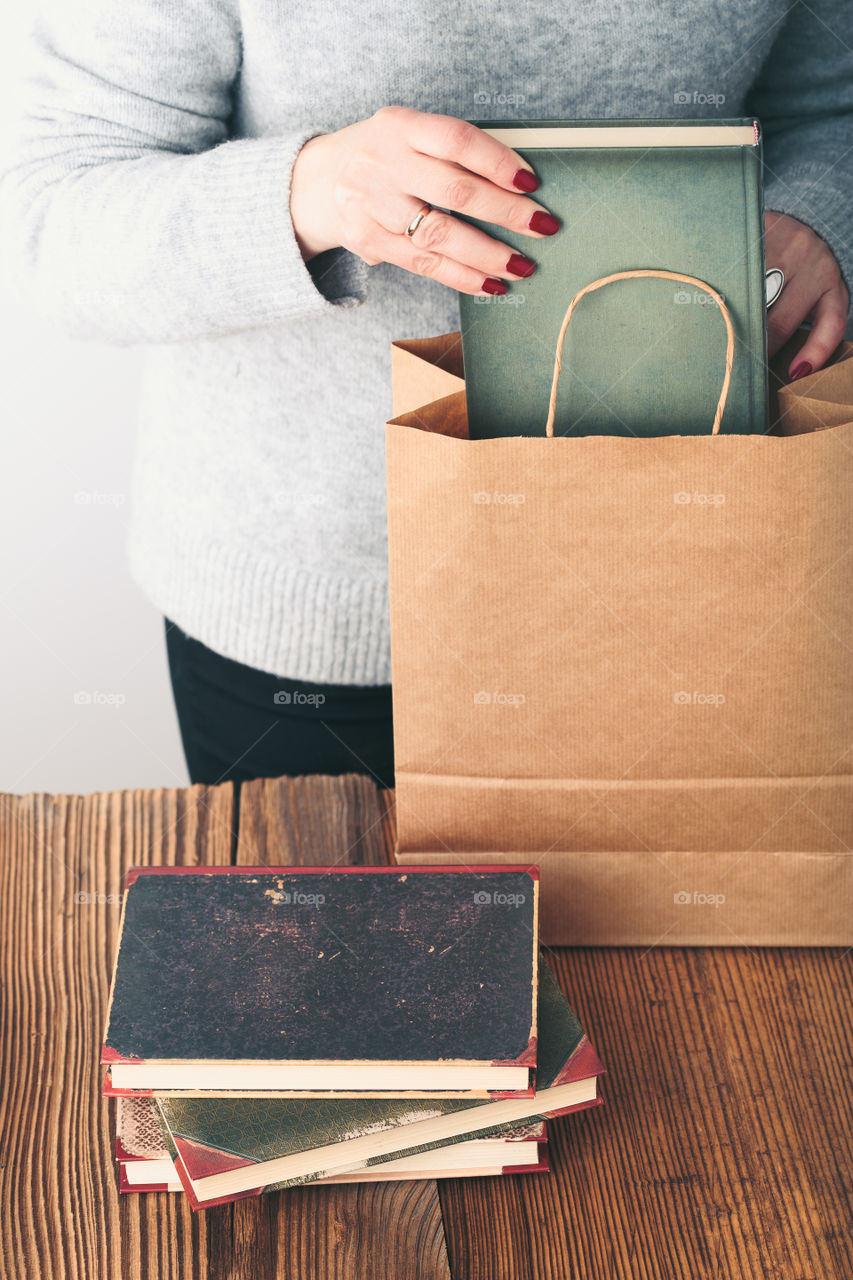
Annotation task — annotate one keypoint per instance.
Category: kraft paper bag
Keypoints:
(823, 399)
(629, 661)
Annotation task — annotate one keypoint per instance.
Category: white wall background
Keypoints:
(72, 622)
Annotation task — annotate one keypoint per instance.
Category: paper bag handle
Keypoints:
(632, 275)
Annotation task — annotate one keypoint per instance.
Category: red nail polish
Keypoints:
(518, 265)
(490, 285)
(544, 223)
(801, 370)
(525, 180)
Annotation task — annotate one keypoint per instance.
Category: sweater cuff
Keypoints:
(823, 202)
(273, 282)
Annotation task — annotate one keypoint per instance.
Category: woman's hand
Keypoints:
(813, 290)
(360, 188)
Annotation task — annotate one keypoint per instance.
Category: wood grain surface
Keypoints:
(723, 1151)
(354, 1232)
(62, 866)
(62, 1214)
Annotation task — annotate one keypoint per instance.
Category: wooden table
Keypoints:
(723, 1150)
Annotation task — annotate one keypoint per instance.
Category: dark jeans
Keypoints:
(238, 723)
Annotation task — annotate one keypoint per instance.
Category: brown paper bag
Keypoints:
(629, 661)
(823, 399)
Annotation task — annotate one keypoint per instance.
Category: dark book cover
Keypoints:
(641, 356)
(209, 1137)
(313, 965)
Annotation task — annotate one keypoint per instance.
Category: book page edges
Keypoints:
(354, 1152)
(570, 138)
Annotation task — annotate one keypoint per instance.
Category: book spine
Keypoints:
(759, 385)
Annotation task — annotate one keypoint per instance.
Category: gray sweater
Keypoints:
(147, 202)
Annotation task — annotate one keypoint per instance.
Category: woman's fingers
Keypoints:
(440, 233)
(460, 191)
(797, 303)
(361, 187)
(814, 289)
(433, 262)
(788, 312)
(447, 138)
(829, 320)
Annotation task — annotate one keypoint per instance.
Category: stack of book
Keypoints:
(146, 1164)
(275, 1026)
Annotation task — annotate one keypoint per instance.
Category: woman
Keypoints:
(189, 176)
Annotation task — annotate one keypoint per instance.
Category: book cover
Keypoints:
(139, 1133)
(642, 357)
(317, 980)
(226, 1148)
(146, 1164)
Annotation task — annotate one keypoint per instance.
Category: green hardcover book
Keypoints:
(643, 356)
(228, 1148)
(521, 1149)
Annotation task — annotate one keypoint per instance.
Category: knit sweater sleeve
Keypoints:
(804, 99)
(128, 213)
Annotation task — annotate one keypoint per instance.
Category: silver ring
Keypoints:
(774, 279)
(418, 219)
